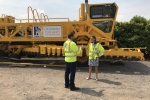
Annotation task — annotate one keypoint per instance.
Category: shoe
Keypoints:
(67, 87)
(74, 89)
(96, 79)
(88, 78)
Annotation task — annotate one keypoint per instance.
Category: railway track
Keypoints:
(48, 61)
(57, 62)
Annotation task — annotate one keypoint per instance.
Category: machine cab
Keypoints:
(103, 16)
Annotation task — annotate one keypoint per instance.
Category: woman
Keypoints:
(95, 51)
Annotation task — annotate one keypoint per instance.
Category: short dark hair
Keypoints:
(70, 35)
(95, 42)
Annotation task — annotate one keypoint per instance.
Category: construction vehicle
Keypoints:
(43, 38)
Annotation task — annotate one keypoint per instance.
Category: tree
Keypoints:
(135, 33)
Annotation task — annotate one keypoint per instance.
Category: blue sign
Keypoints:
(36, 31)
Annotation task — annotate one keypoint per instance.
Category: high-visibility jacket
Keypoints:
(95, 51)
(71, 50)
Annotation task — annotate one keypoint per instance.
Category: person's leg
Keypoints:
(96, 67)
(72, 76)
(96, 71)
(90, 71)
(67, 72)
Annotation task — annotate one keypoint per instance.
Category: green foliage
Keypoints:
(135, 33)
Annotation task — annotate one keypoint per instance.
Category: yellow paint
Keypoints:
(84, 28)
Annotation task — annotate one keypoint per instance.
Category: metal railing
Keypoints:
(36, 17)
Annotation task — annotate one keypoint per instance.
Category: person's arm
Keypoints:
(101, 49)
(64, 45)
(75, 48)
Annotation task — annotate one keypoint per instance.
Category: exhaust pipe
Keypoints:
(86, 6)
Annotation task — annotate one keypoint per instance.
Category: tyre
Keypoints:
(12, 55)
(3, 54)
(82, 61)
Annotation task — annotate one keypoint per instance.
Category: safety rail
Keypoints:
(45, 17)
(3, 16)
(41, 20)
(40, 17)
(36, 17)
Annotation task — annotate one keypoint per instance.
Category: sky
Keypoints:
(70, 8)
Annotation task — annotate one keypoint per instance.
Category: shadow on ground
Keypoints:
(129, 68)
(92, 92)
(109, 82)
(126, 67)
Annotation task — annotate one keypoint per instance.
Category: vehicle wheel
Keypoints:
(3, 54)
(31, 56)
(82, 61)
(12, 55)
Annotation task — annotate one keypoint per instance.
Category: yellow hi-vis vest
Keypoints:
(95, 52)
(71, 49)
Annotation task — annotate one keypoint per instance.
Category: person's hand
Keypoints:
(82, 46)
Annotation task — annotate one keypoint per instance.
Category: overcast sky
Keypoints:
(69, 8)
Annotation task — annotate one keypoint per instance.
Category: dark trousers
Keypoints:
(70, 69)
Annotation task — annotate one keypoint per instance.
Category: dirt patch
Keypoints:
(128, 81)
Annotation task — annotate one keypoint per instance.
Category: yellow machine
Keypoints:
(42, 37)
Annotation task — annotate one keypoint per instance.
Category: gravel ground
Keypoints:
(128, 81)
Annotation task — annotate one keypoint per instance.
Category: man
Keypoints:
(71, 49)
